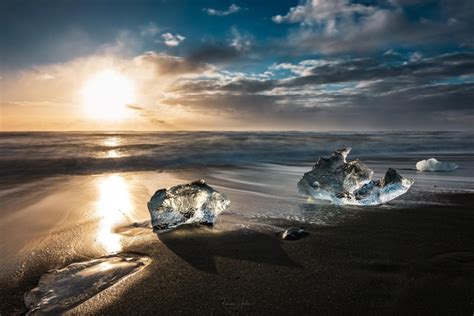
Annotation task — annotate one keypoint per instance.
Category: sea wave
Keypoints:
(25, 153)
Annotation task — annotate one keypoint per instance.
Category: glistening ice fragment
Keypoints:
(60, 290)
(195, 202)
(341, 182)
(433, 164)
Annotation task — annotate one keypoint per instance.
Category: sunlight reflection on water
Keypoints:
(113, 207)
(112, 154)
(112, 141)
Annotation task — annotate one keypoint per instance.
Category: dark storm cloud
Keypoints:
(410, 107)
(340, 71)
(248, 85)
(454, 64)
(214, 53)
(422, 91)
(171, 65)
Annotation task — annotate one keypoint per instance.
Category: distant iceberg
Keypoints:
(195, 202)
(341, 182)
(433, 164)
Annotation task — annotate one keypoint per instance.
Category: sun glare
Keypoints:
(113, 207)
(106, 95)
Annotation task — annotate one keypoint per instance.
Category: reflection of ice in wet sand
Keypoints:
(113, 207)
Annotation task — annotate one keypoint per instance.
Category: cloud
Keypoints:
(172, 40)
(233, 8)
(164, 64)
(134, 107)
(318, 11)
(45, 76)
(336, 26)
(239, 41)
(214, 53)
(239, 47)
(381, 92)
(360, 69)
(49, 96)
(146, 114)
(385, 91)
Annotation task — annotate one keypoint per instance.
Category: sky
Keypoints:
(319, 65)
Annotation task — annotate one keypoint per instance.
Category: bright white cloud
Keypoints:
(172, 40)
(303, 68)
(317, 11)
(233, 8)
(335, 26)
(240, 42)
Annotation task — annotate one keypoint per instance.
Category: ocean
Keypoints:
(25, 154)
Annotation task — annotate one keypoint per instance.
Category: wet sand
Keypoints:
(406, 261)
(389, 259)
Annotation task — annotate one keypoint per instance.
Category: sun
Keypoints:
(106, 95)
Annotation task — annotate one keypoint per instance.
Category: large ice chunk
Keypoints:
(341, 182)
(195, 202)
(61, 290)
(433, 164)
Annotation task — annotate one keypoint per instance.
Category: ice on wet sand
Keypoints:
(60, 290)
(341, 182)
(433, 164)
(195, 202)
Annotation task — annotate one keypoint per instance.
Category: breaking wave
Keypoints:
(34, 154)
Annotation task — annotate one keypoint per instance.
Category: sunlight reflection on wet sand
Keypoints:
(113, 207)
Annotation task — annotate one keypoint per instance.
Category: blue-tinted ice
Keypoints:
(341, 182)
(60, 290)
(433, 164)
(195, 202)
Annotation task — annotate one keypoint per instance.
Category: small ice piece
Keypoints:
(341, 182)
(433, 164)
(195, 202)
(293, 233)
(60, 290)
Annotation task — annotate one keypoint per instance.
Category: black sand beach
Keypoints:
(402, 261)
(413, 255)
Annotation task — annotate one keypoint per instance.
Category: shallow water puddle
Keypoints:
(63, 289)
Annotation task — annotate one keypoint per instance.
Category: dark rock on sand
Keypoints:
(293, 233)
